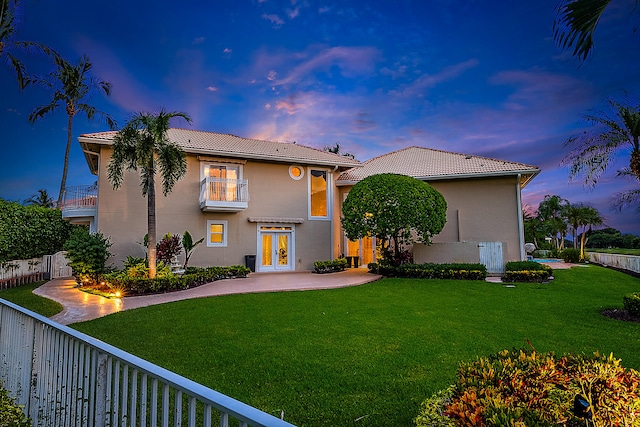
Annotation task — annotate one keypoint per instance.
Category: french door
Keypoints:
(275, 248)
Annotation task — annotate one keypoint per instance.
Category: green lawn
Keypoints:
(616, 251)
(369, 355)
(24, 297)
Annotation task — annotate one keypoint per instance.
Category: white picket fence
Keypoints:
(624, 262)
(19, 272)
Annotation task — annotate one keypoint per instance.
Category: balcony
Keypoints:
(224, 195)
(79, 204)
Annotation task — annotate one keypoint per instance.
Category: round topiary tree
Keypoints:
(396, 209)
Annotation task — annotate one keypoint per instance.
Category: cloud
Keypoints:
(198, 40)
(275, 20)
(212, 88)
(227, 51)
(352, 62)
(271, 75)
(292, 13)
(427, 81)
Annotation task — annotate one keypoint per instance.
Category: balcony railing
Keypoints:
(224, 195)
(80, 197)
(69, 379)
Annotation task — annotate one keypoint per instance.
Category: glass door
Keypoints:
(276, 251)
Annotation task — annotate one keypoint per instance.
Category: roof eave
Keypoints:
(527, 176)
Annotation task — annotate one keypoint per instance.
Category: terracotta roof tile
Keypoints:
(218, 144)
(427, 163)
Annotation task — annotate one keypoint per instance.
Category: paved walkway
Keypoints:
(80, 306)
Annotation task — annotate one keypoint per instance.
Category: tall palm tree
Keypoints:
(8, 41)
(143, 145)
(576, 22)
(71, 86)
(594, 152)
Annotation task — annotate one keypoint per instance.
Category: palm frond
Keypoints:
(625, 199)
(575, 24)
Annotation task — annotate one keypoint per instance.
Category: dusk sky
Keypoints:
(468, 76)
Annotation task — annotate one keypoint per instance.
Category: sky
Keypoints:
(467, 76)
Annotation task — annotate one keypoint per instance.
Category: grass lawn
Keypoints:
(24, 297)
(369, 355)
(616, 251)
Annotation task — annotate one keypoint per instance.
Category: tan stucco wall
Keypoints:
(478, 210)
(122, 214)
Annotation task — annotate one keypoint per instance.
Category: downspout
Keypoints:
(520, 218)
(333, 208)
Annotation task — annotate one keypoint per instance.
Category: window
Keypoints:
(318, 193)
(222, 181)
(296, 172)
(216, 233)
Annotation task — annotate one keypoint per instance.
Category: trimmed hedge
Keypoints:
(527, 388)
(336, 265)
(526, 271)
(458, 271)
(632, 304)
(193, 277)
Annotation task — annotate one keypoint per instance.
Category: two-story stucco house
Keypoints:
(281, 202)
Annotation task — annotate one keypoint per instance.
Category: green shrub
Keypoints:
(527, 388)
(458, 271)
(632, 304)
(571, 255)
(10, 413)
(432, 410)
(131, 282)
(30, 231)
(87, 253)
(338, 264)
(526, 271)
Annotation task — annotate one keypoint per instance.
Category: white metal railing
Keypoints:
(80, 197)
(224, 190)
(66, 378)
(625, 262)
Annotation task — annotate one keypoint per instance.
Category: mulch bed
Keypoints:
(621, 314)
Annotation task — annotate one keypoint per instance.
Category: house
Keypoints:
(484, 207)
(279, 203)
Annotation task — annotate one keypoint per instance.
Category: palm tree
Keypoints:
(575, 23)
(40, 199)
(71, 85)
(143, 144)
(595, 151)
(336, 149)
(586, 217)
(551, 213)
(8, 42)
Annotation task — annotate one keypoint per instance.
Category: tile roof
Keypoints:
(430, 164)
(218, 144)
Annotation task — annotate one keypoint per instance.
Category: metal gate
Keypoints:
(491, 256)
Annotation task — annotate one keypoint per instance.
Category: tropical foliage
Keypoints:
(30, 231)
(576, 22)
(527, 388)
(142, 145)
(396, 209)
(41, 199)
(88, 254)
(189, 246)
(555, 218)
(71, 86)
(9, 43)
(615, 132)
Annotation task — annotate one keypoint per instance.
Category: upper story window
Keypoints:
(223, 181)
(296, 172)
(319, 193)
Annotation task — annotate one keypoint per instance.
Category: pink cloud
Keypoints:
(428, 81)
